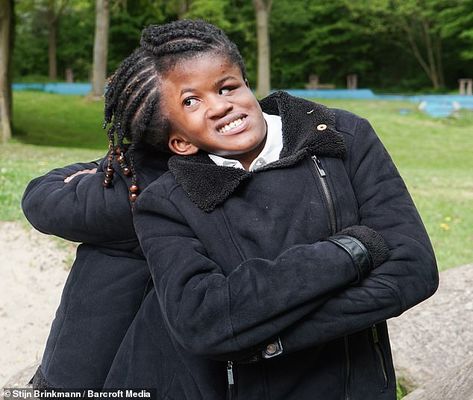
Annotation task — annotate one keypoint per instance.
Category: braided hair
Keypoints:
(132, 98)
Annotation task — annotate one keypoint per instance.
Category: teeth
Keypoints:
(231, 125)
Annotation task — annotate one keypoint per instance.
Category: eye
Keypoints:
(225, 90)
(190, 102)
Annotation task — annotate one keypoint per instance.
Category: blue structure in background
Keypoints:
(434, 105)
(442, 105)
(59, 88)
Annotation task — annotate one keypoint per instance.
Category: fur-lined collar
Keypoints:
(209, 185)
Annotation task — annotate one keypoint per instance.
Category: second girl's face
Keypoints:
(210, 107)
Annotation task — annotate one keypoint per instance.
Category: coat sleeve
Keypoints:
(210, 313)
(408, 276)
(81, 210)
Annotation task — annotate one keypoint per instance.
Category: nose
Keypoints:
(218, 106)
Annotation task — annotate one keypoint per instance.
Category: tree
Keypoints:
(6, 23)
(263, 10)
(99, 73)
(417, 20)
(53, 11)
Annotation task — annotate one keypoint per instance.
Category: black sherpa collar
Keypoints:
(209, 185)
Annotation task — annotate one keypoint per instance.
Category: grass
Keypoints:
(431, 155)
(21, 163)
(52, 120)
(50, 131)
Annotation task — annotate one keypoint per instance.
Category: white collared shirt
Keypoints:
(270, 153)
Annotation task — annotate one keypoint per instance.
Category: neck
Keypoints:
(247, 158)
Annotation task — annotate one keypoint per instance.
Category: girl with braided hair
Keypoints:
(91, 203)
(279, 241)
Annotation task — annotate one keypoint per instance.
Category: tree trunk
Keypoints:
(102, 22)
(52, 42)
(6, 20)
(426, 48)
(262, 10)
(182, 8)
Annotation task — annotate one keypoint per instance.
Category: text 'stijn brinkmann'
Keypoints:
(78, 393)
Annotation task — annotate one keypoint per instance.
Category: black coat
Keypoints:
(108, 279)
(257, 294)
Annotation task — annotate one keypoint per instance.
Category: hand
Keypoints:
(84, 171)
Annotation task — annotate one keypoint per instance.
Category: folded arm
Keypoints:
(79, 209)
(211, 313)
(407, 277)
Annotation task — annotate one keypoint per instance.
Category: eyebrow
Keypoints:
(218, 83)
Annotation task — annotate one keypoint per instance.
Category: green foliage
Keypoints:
(213, 11)
(458, 25)
(30, 54)
(331, 39)
(126, 24)
(75, 39)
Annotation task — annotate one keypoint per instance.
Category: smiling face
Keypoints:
(210, 107)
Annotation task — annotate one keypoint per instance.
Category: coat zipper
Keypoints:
(230, 379)
(333, 229)
(377, 347)
(347, 372)
(328, 196)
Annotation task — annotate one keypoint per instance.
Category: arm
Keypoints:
(81, 209)
(210, 313)
(409, 275)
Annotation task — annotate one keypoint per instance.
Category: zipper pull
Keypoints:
(230, 379)
(230, 373)
(374, 331)
(319, 167)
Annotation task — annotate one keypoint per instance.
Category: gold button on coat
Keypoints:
(271, 348)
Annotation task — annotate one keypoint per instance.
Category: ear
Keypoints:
(247, 83)
(179, 145)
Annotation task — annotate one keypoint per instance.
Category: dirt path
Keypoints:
(33, 269)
